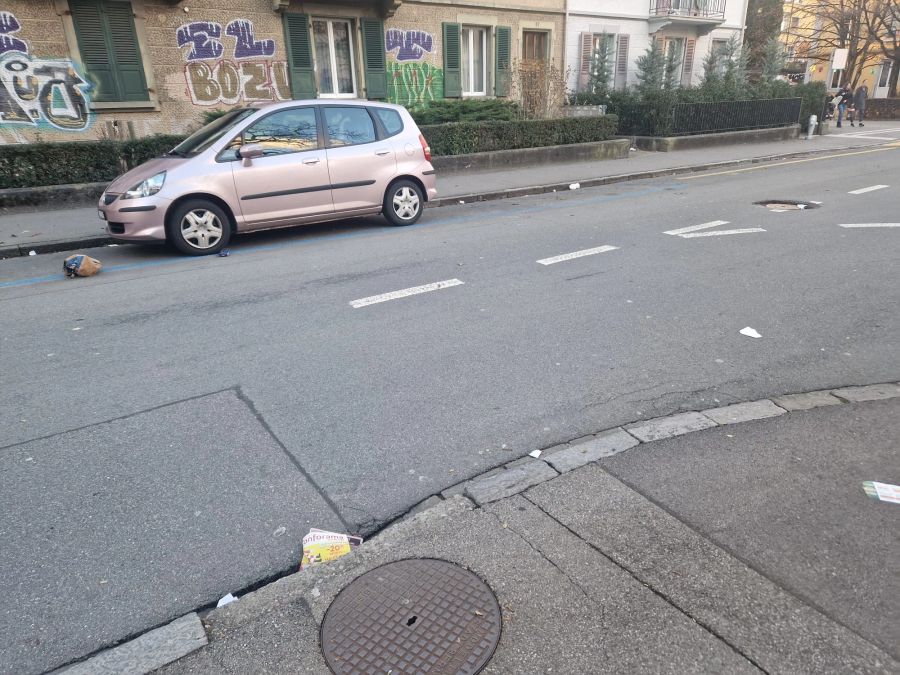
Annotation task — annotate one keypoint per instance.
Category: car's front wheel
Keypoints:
(199, 227)
(403, 203)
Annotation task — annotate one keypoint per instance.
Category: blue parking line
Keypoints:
(347, 235)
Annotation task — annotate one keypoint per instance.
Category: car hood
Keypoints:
(140, 173)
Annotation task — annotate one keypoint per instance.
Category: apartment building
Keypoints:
(88, 69)
(688, 29)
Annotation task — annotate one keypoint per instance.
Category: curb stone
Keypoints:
(498, 483)
(103, 240)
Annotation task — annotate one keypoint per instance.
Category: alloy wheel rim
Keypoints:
(201, 229)
(406, 203)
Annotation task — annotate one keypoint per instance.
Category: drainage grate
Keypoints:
(786, 205)
(412, 616)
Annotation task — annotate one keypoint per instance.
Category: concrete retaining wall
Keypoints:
(668, 143)
(615, 149)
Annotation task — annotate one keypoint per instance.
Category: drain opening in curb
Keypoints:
(786, 205)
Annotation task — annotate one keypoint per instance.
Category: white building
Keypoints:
(689, 28)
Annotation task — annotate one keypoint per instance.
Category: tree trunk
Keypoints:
(892, 82)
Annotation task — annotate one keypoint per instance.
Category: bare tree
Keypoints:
(883, 24)
(838, 24)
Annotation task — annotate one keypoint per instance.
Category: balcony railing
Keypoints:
(698, 9)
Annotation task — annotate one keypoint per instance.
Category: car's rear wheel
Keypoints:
(403, 203)
(199, 227)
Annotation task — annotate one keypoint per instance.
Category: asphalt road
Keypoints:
(172, 427)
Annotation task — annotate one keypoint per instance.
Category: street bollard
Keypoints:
(811, 129)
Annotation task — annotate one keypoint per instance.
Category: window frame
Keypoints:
(332, 54)
(545, 36)
(151, 103)
(469, 29)
(379, 129)
(320, 140)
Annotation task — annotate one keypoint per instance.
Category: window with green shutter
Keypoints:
(300, 60)
(373, 56)
(502, 60)
(109, 49)
(452, 60)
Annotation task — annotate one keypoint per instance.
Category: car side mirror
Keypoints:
(251, 151)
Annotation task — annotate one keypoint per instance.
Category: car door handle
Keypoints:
(312, 160)
(382, 153)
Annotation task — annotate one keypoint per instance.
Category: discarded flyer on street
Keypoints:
(320, 546)
(884, 492)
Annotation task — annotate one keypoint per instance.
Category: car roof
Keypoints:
(268, 105)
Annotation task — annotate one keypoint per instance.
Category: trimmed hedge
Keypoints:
(467, 110)
(31, 165)
(460, 138)
(34, 164)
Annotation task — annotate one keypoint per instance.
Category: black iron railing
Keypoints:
(685, 119)
(703, 9)
(701, 118)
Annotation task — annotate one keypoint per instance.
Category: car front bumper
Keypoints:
(140, 219)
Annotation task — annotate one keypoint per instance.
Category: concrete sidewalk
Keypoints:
(716, 544)
(66, 229)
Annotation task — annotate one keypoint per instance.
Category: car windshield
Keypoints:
(201, 139)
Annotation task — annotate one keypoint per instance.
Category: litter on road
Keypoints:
(750, 332)
(574, 186)
(535, 453)
(321, 546)
(884, 492)
(225, 600)
(81, 266)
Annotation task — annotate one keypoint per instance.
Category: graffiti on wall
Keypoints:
(413, 79)
(214, 76)
(36, 91)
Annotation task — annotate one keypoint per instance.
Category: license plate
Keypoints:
(102, 214)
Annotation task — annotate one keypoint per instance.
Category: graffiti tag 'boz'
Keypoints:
(411, 45)
(204, 38)
(226, 81)
(35, 91)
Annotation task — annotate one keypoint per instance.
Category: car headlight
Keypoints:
(146, 187)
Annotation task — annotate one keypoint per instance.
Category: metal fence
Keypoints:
(663, 118)
(712, 9)
(701, 118)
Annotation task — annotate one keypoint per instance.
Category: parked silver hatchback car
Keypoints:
(275, 165)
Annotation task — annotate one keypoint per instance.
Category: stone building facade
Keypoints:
(90, 69)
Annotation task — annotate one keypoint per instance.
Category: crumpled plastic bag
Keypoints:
(81, 266)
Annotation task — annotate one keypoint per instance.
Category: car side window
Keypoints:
(348, 126)
(283, 132)
(391, 120)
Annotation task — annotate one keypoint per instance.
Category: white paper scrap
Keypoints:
(225, 599)
(574, 186)
(535, 453)
(882, 491)
(750, 332)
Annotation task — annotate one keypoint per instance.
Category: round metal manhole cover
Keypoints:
(412, 616)
(779, 205)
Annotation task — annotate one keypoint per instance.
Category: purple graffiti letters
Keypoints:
(411, 45)
(247, 46)
(9, 24)
(202, 35)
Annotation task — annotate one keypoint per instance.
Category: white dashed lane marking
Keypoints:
(871, 188)
(855, 225)
(405, 293)
(693, 231)
(576, 254)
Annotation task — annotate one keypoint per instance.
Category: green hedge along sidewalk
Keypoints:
(40, 164)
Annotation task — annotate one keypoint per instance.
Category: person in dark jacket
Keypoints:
(844, 98)
(860, 98)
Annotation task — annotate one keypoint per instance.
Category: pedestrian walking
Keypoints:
(843, 99)
(860, 98)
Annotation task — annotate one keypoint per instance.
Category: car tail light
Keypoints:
(425, 148)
